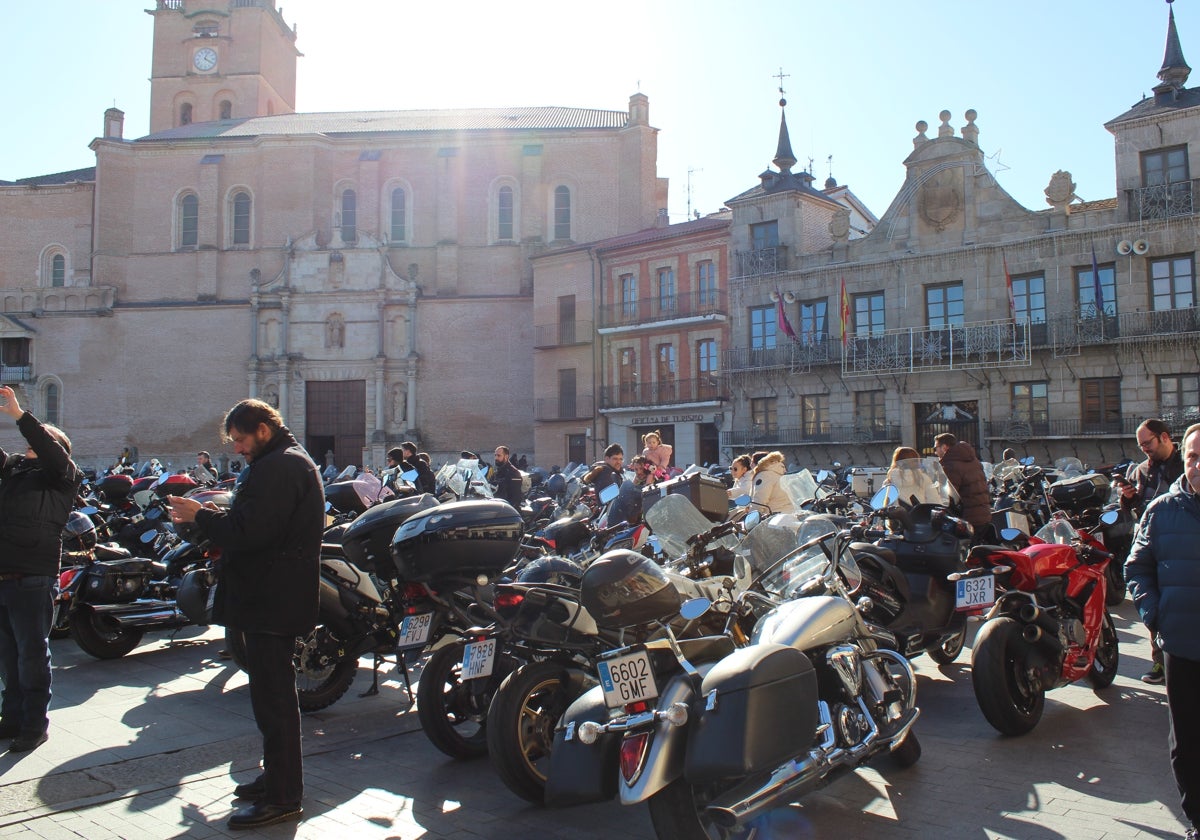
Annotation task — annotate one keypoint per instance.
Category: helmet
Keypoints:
(553, 570)
(192, 596)
(79, 534)
(622, 588)
(556, 485)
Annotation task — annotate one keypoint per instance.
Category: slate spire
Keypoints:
(1175, 71)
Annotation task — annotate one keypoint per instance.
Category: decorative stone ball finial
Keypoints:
(945, 129)
(921, 138)
(970, 131)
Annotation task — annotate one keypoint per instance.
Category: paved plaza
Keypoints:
(151, 745)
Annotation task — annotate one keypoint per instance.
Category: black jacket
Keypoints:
(426, 481)
(1153, 478)
(36, 496)
(271, 543)
(508, 484)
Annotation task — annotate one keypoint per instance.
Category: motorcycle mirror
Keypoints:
(887, 496)
(823, 475)
(742, 501)
(1027, 461)
(89, 510)
(148, 537)
(694, 608)
(162, 479)
(153, 513)
(410, 475)
(751, 519)
(837, 465)
(608, 493)
(1010, 534)
(1110, 517)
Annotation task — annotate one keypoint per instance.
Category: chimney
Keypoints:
(639, 109)
(662, 220)
(114, 124)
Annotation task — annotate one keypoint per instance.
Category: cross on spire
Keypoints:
(781, 76)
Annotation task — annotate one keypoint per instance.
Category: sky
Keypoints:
(1043, 75)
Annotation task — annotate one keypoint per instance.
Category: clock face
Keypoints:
(205, 58)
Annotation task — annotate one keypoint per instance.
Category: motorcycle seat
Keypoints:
(887, 554)
(112, 552)
(992, 555)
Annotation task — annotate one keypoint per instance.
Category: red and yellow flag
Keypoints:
(844, 312)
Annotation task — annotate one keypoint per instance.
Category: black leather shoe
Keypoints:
(27, 741)
(9, 730)
(251, 790)
(263, 813)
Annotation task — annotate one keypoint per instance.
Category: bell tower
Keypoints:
(219, 60)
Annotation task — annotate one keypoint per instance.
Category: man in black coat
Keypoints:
(426, 481)
(268, 589)
(37, 491)
(507, 478)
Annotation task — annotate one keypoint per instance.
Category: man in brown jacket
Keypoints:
(962, 467)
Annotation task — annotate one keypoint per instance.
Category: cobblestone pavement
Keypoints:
(151, 745)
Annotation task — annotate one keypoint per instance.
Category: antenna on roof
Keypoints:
(689, 192)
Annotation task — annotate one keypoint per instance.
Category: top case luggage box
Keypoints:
(367, 541)
(458, 539)
(1082, 491)
(764, 712)
(706, 492)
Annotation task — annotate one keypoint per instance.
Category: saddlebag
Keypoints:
(579, 772)
(458, 539)
(757, 708)
(1081, 492)
(115, 581)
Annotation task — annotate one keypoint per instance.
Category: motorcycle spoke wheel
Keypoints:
(452, 713)
(1104, 664)
(323, 674)
(520, 726)
(1007, 696)
(943, 653)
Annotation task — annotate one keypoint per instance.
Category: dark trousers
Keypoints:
(1183, 702)
(277, 713)
(26, 612)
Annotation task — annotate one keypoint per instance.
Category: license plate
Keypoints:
(975, 592)
(478, 658)
(627, 679)
(414, 630)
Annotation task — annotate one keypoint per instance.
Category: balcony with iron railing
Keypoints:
(810, 349)
(16, 373)
(1163, 201)
(562, 334)
(1074, 330)
(667, 392)
(707, 304)
(765, 436)
(565, 408)
(759, 262)
(1019, 430)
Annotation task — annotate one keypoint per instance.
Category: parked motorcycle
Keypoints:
(711, 737)
(1048, 627)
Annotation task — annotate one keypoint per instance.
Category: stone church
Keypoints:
(367, 272)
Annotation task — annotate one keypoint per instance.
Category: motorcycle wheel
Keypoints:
(322, 674)
(908, 752)
(1104, 664)
(677, 812)
(520, 726)
(235, 645)
(1002, 689)
(944, 653)
(453, 716)
(60, 625)
(1114, 592)
(101, 638)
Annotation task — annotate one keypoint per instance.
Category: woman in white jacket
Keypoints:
(743, 478)
(768, 495)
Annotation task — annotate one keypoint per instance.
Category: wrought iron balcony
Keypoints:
(562, 334)
(760, 262)
(705, 304)
(671, 392)
(1163, 201)
(1069, 332)
(1018, 430)
(762, 437)
(795, 356)
(981, 344)
(16, 373)
(565, 408)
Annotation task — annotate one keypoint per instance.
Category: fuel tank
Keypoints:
(808, 622)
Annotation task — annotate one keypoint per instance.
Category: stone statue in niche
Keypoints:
(270, 337)
(399, 405)
(335, 331)
(271, 395)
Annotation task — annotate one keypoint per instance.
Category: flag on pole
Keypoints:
(781, 318)
(844, 313)
(1097, 289)
(1012, 301)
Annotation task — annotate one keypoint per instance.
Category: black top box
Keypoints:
(458, 539)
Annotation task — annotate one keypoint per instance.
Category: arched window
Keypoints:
(52, 412)
(562, 213)
(226, 109)
(349, 216)
(58, 270)
(241, 218)
(504, 213)
(185, 113)
(189, 221)
(399, 227)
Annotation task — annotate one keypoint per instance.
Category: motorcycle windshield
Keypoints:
(1069, 467)
(674, 520)
(449, 476)
(1057, 531)
(800, 486)
(922, 479)
(810, 560)
(1010, 468)
(779, 535)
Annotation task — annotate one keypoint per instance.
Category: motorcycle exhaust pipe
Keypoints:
(1032, 614)
(154, 618)
(1034, 634)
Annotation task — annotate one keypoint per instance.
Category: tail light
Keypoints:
(507, 603)
(633, 756)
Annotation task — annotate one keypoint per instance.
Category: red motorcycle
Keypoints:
(1049, 625)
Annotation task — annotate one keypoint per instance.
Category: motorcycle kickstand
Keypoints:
(403, 665)
(374, 689)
